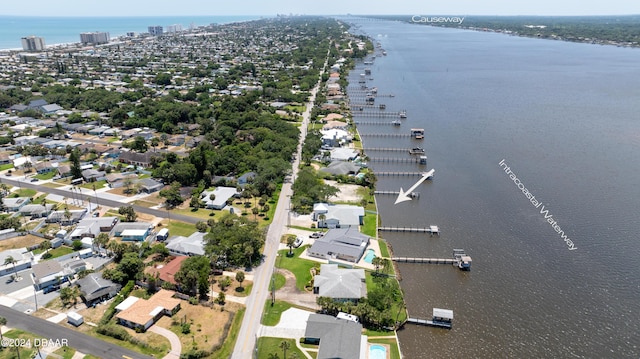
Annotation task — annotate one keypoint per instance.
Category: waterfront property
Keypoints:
(346, 244)
(442, 318)
(336, 338)
(339, 283)
(337, 215)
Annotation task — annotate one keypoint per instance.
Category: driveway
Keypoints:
(176, 346)
(291, 294)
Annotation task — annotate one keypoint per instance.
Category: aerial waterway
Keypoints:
(554, 111)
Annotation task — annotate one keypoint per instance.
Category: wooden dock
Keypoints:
(406, 135)
(374, 123)
(389, 149)
(369, 113)
(386, 173)
(431, 323)
(396, 159)
(430, 229)
(425, 260)
(396, 193)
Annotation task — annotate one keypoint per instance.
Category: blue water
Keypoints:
(370, 255)
(377, 352)
(57, 30)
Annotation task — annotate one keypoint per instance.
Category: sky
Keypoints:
(318, 7)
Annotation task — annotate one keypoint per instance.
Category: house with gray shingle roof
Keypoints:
(337, 338)
(339, 283)
(345, 244)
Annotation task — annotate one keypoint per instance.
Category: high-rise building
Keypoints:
(155, 30)
(174, 28)
(33, 43)
(95, 38)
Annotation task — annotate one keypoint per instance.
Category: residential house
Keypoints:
(91, 175)
(166, 273)
(138, 159)
(187, 246)
(94, 289)
(36, 210)
(337, 338)
(64, 170)
(14, 204)
(337, 215)
(341, 168)
(44, 167)
(221, 195)
(48, 275)
(335, 137)
(92, 227)
(140, 314)
(339, 283)
(59, 217)
(345, 244)
(148, 185)
(119, 228)
(246, 178)
(343, 154)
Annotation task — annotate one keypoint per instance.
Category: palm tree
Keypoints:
(290, 240)
(321, 219)
(284, 345)
(273, 356)
(11, 260)
(377, 262)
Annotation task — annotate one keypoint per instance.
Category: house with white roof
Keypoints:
(337, 215)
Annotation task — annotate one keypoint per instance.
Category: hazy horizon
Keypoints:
(146, 8)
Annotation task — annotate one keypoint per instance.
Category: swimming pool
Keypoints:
(377, 352)
(370, 255)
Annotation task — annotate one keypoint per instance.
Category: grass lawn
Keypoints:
(177, 228)
(243, 291)
(38, 200)
(65, 352)
(269, 345)
(25, 192)
(23, 351)
(395, 352)
(203, 214)
(301, 268)
(384, 250)
(45, 176)
(398, 305)
(279, 280)
(145, 204)
(60, 251)
(6, 166)
(97, 184)
(369, 227)
(272, 313)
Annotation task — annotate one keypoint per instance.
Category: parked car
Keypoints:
(34, 180)
(316, 235)
(297, 242)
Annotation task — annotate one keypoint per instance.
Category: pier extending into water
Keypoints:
(430, 229)
(369, 113)
(386, 173)
(399, 160)
(424, 260)
(406, 135)
(396, 193)
(376, 123)
(442, 318)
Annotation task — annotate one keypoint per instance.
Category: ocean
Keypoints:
(553, 238)
(58, 30)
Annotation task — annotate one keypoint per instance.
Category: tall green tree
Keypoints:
(74, 158)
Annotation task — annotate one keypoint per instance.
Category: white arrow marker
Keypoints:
(403, 195)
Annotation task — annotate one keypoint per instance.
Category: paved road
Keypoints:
(76, 340)
(255, 302)
(101, 200)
